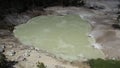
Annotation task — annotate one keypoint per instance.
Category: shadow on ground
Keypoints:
(116, 26)
(4, 63)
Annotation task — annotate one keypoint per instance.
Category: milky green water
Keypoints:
(64, 36)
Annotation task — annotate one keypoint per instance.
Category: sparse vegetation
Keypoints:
(3, 61)
(40, 65)
(100, 63)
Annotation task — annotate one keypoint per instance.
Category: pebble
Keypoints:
(21, 58)
(37, 49)
(11, 53)
(2, 48)
(27, 53)
(32, 48)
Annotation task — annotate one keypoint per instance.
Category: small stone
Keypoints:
(3, 46)
(27, 53)
(21, 58)
(11, 53)
(1, 50)
(37, 49)
(113, 58)
(32, 48)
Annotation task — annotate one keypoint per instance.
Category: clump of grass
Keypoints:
(100, 63)
(40, 65)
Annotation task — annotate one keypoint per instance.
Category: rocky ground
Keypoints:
(28, 56)
(102, 31)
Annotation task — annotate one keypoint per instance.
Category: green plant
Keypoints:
(100, 63)
(40, 65)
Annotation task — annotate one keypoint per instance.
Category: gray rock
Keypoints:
(37, 49)
(1, 50)
(27, 53)
(11, 53)
(2, 46)
(32, 48)
(21, 58)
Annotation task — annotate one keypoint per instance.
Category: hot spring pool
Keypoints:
(64, 36)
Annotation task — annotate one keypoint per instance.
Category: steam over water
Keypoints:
(64, 36)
